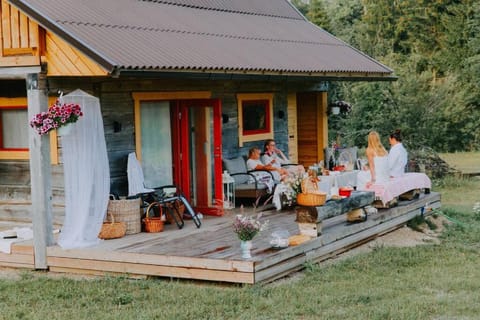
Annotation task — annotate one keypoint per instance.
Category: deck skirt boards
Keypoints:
(150, 270)
(212, 252)
(21, 256)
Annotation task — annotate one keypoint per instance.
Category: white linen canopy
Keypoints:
(86, 174)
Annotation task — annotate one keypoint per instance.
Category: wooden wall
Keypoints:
(21, 43)
(118, 106)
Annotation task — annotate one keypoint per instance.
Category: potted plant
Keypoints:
(58, 115)
(247, 227)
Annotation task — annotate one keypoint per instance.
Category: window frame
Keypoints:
(12, 153)
(248, 135)
(24, 154)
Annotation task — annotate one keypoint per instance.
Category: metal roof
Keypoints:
(219, 36)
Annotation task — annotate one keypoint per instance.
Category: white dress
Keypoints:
(381, 172)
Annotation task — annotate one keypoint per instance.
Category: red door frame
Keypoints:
(180, 139)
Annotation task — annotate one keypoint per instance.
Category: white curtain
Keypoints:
(87, 175)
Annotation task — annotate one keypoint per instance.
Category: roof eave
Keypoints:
(55, 28)
(240, 75)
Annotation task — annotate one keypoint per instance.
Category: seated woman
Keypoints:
(377, 156)
(275, 157)
(254, 163)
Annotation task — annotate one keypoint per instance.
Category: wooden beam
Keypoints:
(40, 172)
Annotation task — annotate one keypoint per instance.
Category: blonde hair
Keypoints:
(375, 144)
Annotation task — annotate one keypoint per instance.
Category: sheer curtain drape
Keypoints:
(87, 175)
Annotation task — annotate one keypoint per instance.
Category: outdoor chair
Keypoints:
(169, 197)
(248, 184)
(344, 154)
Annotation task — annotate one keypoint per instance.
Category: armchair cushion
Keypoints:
(237, 165)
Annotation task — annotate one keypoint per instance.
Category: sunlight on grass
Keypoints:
(465, 162)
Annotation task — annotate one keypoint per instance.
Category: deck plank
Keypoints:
(212, 252)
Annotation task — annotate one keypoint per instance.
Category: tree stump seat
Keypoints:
(309, 218)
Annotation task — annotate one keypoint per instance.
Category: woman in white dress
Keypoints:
(377, 171)
(276, 158)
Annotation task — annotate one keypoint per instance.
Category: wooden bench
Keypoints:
(406, 187)
(310, 219)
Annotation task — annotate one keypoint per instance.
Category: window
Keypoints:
(13, 128)
(255, 121)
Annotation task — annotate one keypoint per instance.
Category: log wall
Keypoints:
(118, 106)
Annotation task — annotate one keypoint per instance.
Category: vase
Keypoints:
(246, 246)
(64, 130)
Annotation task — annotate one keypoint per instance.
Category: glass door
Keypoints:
(197, 153)
(156, 151)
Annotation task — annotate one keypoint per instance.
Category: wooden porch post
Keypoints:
(322, 132)
(40, 172)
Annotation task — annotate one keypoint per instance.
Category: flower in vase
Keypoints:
(247, 227)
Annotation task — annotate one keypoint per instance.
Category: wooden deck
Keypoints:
(213, 252)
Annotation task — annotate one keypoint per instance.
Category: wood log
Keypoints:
(332, 208)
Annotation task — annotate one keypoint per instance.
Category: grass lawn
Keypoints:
(465, 162)
(433, 281)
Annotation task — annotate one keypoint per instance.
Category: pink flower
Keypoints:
(57, 115)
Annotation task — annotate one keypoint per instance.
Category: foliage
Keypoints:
(247, 227)
(435, 51)
(58, 115)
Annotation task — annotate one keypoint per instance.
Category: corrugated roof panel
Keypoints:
(155, 35)
(183, 50)
(280, 8)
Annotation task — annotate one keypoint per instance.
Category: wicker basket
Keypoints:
(176, 208)
(153, 224)
(128, 211)
(112, 230)
(311, 199)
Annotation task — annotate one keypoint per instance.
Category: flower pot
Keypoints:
(246, 246)
(65, 130)
(335, 110)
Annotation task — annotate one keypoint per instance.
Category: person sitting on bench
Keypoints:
(398, 156)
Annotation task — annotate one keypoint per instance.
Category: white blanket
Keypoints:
(21, 233)
(396, 186)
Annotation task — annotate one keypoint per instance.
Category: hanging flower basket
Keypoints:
(57, 116)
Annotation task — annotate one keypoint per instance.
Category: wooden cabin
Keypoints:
(174, 79)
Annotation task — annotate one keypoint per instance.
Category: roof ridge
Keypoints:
(175, 3)
(219, 35)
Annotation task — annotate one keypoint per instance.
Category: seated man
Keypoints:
(398, 156)
(254, 163)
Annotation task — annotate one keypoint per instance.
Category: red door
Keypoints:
(197, 151)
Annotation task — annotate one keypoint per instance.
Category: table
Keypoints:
(343, 178)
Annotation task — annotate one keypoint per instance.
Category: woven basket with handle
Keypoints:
(153, 224)
(128, 211)
(310, 195)
(112, 230)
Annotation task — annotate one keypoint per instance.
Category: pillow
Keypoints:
(237, 165)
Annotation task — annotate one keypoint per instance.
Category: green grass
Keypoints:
(424, 282)
(465, 162)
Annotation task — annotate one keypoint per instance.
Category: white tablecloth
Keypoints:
(344, 179)
(396, 186)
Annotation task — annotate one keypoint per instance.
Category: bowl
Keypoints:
(345, 191)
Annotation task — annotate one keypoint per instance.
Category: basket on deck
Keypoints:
(112, 230)
(311, 199)
(128, 211)
(153, 224)
(310, 195)
(176, 208)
